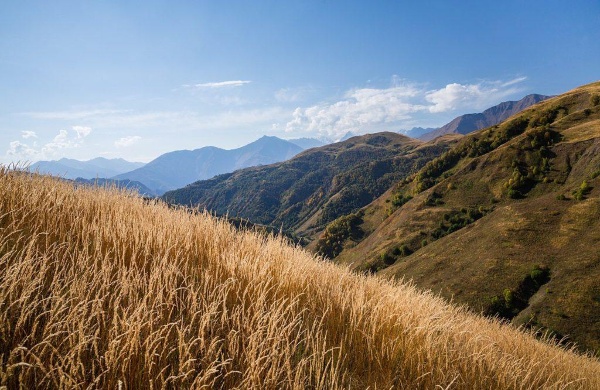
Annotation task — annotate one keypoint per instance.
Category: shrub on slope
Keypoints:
(100, 289)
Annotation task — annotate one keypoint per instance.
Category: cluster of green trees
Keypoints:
(457, 220)
(541, 138)
(517, 185)
(513, 301)
(472, 147)
(332, 240)
(397, 200)
(533, 165)
(547, 117)
(582, 191)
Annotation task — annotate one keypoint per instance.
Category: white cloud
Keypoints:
(63, 140)
(127, 141)
(220, 84)
(28, 134)
(82, 131)
(399, 106)
(514, 81)
(471, 96)
(20, 150)
(359, 110)
(453, 96)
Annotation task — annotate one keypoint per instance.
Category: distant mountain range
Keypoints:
(96, 168)
(179, 168)
(417, 132)
(316, 186)
(468, 123)
(175, 169)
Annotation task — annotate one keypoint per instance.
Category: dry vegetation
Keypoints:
(99, 289)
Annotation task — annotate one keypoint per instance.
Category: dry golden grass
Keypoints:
(99, 289)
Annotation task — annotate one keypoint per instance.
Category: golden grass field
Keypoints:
(100, 289)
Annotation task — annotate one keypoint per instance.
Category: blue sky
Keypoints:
(136, 79)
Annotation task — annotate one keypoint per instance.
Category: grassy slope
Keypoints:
(495, 253)
(100, 289)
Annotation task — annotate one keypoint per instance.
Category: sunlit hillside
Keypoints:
(100, 289)
(504, 203)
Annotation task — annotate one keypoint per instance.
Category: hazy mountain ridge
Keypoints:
(468, 123)
(178, 168)
(91, 169)
(417, 132)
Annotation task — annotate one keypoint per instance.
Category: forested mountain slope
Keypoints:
(315, 187)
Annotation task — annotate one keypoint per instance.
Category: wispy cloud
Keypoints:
(127, 141)
(28, 134)
(374, 109)
(219, 84)
(514, 81)
(292, 95)
(73, 115)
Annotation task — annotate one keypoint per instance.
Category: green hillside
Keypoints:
(507, 221)
(317, 186)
